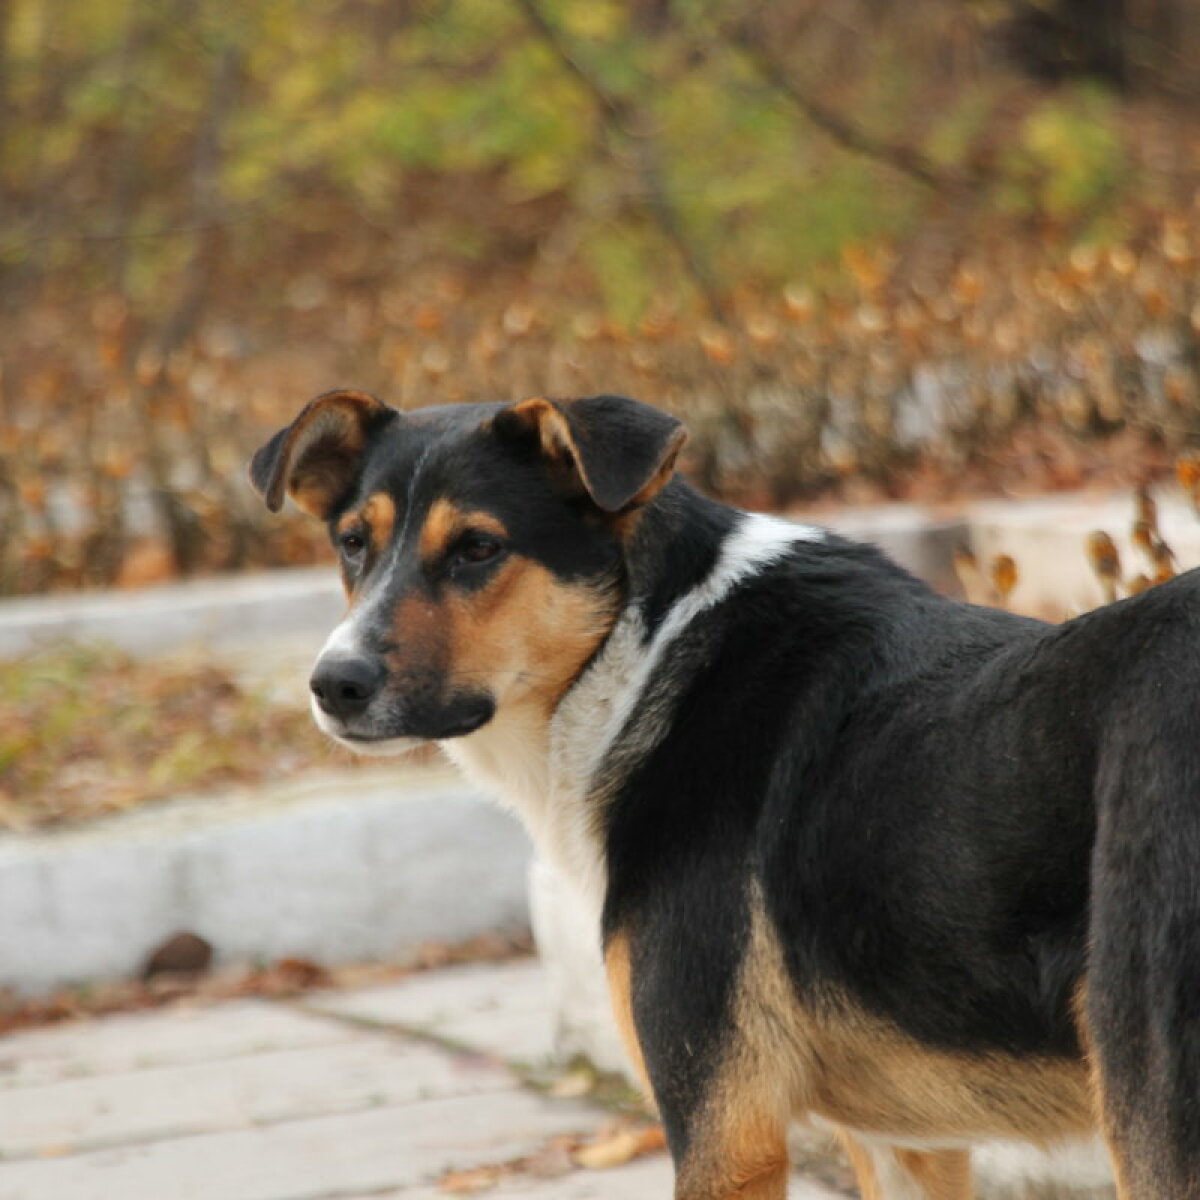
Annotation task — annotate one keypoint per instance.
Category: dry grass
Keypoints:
(87, 730)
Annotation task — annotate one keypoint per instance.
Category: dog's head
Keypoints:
(481, 548)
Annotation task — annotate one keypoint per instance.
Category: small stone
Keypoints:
(183, 953)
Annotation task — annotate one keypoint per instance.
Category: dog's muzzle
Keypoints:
(354, 703)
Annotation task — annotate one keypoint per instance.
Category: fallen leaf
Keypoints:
(552, 1160)
(620, 1146)
(573, 1084)
(471, 1181)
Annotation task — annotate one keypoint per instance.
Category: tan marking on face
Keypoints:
(523, 636)
(376, 518)
(347, 522)
(420, 637)
(527, 634)
(447, 521)
(379, 512)
(441, 524)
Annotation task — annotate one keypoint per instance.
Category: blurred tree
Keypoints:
(758, 211)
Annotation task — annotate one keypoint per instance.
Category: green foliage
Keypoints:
(616, 254)
(1069, 159)
(356, 101)
(209, 210)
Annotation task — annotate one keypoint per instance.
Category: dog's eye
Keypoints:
(352, 543)
(476, 548)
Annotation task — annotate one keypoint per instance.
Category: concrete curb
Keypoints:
(224, 612)
(346, 867)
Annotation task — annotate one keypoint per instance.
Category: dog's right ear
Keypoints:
(316, 459)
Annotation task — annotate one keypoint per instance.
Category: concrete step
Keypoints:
(501, 1011)
(345, 867)
(1047, 537)
(230, 612)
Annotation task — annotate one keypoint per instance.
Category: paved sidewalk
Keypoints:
(375, 1092)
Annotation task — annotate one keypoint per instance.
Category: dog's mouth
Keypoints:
(403, 728)
(466, 718)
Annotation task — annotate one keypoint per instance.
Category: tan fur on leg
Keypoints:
(742, 1158)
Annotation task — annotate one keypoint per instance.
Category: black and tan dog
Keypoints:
(926, 872)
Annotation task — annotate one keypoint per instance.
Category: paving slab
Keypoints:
(301, 1160)
(267, 1088)
(175, 1036)
(268, 1100)
(645, 1179)
(503, 1011)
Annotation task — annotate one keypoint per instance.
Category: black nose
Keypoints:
(345, 686)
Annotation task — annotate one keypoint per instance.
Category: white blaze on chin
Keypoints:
(385, 748)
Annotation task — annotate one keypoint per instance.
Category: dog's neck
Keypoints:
(687, 554)
(674, 546)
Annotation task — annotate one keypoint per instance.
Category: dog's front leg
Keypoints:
(726, 1132)
(729, 1145)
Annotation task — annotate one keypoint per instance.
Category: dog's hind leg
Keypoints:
(1141, 1008)
(892, 1173)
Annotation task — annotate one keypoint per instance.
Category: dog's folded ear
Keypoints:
(619, 451)
(316, 459)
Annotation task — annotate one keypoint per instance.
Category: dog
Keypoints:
(924, 872)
